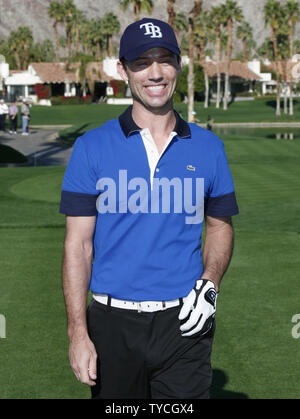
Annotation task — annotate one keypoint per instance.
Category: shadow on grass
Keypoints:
(272, 103)
(69, 135)
(10, 155)
(220, 379)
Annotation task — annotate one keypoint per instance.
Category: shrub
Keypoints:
(119, 87)
(88, 99)
(65, 100)
(199, 85)
(42, 90)
(244, 94)
(266, 97)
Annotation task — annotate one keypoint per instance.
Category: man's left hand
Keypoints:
(200, 307)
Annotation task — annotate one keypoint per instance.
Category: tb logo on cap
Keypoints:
(152, 30)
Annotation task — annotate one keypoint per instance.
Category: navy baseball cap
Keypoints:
(145, 34)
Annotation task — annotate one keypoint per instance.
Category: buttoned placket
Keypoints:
(152, 151)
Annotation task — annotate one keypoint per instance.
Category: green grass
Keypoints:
(85, 117)
(248, 111)
(254, 354)
(254, 347)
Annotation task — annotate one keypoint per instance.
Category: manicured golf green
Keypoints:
(84, 117)
(254, 354)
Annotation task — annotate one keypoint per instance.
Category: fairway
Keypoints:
(254, 354)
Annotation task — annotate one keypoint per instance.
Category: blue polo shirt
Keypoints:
(147, 240)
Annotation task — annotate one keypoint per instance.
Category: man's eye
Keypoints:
(166, 61)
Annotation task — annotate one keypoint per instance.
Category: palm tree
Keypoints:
(283, 52)
(245, 33)
(215, 22)
(180, 25)
(78, 21)
(85, 37)
(171, 12)
(84, 72)
(250, 45)
(265, 50)
(23, 39)
(194, 12)
(63, 44)
(93, 37)
(14, 43)
(110, 25)
(202, 29)
(145, 6)
(231, 13)
(42, 51)
(56, 12)
(273, 17)
(69, 13)
(292, 12)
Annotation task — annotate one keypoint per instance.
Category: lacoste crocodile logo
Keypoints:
(190, 167)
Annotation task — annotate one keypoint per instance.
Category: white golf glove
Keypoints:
(199, 308)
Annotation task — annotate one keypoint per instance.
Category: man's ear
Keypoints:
(121, 70)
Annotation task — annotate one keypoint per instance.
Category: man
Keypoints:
(3, 114)
(209, 123)
(13, 118)
(134, 194)
(25, 115)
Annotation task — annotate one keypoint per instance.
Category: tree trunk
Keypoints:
(206, 103)
(171, 12)
(206, 79)
(244, 50)
(110, 46)
(17, 58)
(137, 9)
(56, 42)
(291, 104)
(196, 10)
(69, 43)
(98, 49)
(275, 46)
(226, 91)
(277, 92)
(218, 67)
(285, 98)
(291, 39)
(76, 41)
(191, 76)
(228, 61)
(24, 57)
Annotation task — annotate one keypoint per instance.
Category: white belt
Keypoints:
(147, 306)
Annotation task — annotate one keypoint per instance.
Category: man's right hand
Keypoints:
(83, 360)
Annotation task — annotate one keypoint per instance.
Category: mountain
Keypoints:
(33, 13)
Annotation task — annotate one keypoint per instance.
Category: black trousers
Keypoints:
(13, 123)
(143, 355)
(2, 122)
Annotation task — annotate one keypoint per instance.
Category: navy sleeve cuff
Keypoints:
(221, 206)
(78, 204)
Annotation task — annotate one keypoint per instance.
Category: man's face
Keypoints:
(152, 77)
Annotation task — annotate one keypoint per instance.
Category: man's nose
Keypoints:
(155, 72)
